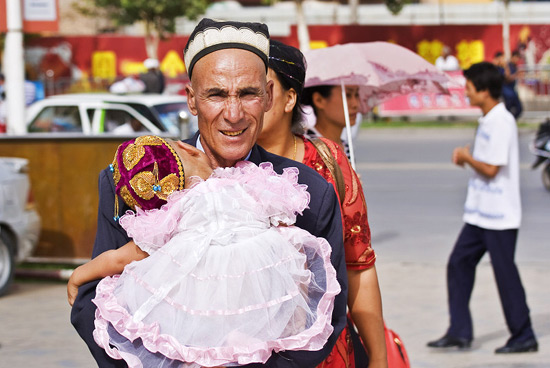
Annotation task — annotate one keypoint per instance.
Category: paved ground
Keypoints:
(34, 318)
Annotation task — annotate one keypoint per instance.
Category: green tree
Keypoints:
(395, 6)
(158, 16)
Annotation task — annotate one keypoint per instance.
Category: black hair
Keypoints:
(499, 54)
(289, 65)
(485, 76)
(324, 90)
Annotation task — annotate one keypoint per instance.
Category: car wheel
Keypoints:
(7, 264)
(546, 176)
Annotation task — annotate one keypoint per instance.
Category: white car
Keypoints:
(19, 221)
(99, 113)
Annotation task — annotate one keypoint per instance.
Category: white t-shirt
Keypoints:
(447, 64)
(495, 203)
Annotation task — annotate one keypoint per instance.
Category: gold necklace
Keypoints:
(295, 147)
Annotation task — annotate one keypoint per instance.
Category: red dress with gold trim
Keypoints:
(357, 236)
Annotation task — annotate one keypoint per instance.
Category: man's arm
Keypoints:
(462, 155)
(109, 236)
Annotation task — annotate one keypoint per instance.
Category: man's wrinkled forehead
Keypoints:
(228, 67)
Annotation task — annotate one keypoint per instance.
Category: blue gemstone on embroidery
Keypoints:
(116, 218)
(156, 188)
(111, 168)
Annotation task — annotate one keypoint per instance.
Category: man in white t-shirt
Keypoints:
(447, 62)
(492, 216)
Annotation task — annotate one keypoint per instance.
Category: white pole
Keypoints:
(14, 69)
(348, 125)
(301, 25)
(506, 29)
(353, 7)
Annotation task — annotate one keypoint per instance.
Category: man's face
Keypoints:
(475, 97)
(229, 94)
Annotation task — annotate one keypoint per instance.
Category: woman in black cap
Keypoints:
(282, 134)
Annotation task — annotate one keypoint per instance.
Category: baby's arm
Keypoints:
(108, 263)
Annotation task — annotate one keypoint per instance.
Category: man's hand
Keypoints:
(72, 291)
(461, 155)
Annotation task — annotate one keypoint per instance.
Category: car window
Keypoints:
(169, 115)
(147, 113)
(57, 119)
(120, 122)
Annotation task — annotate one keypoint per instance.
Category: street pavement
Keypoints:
(415, 199)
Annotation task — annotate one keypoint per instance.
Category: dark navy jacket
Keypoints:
(322, 219)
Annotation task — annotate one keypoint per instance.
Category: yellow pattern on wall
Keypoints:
(131, 67)
(470, 52)
(104, 64)
(429, 50)
(317, 44)
(172, 65)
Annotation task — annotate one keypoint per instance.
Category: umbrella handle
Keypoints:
(348, 125)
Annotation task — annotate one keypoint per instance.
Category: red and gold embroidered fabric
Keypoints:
(357, 236)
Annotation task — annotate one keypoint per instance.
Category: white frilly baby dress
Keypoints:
(228, 281)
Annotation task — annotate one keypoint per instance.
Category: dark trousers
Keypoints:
(471, 245)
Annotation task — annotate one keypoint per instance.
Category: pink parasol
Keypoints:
(382, 70)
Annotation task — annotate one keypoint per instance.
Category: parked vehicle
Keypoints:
(98, 113)
(19, 220)
(541, 148)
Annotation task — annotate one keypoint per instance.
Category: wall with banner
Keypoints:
(432, 104)
(111, 56)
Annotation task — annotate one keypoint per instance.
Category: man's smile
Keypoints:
(232, 133)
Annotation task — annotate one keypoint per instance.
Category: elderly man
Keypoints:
(229, 93)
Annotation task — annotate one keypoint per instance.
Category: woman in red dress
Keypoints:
(282, 134)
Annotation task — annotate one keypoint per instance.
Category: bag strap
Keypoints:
(332, 165)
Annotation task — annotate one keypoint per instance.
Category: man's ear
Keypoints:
(191, 103)
(269, 95)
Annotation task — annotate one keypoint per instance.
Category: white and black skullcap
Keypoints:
(211, 35)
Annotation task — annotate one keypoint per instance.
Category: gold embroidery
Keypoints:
(135, 152)
(149, 140)
(356, 229)
(116, 172)
(127, 197)
(142, 183)
(168, 185)
(146, 184)
(180, 165)
(354, 187)
(132, 154)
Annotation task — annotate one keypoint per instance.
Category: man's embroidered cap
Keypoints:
(146, 170)
(212, 35)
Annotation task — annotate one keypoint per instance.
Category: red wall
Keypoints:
(109, 56)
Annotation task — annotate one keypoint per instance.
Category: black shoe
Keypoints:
(449, 342)
(530, 345)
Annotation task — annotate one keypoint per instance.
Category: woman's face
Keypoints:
(331, 108)
(280, 114)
